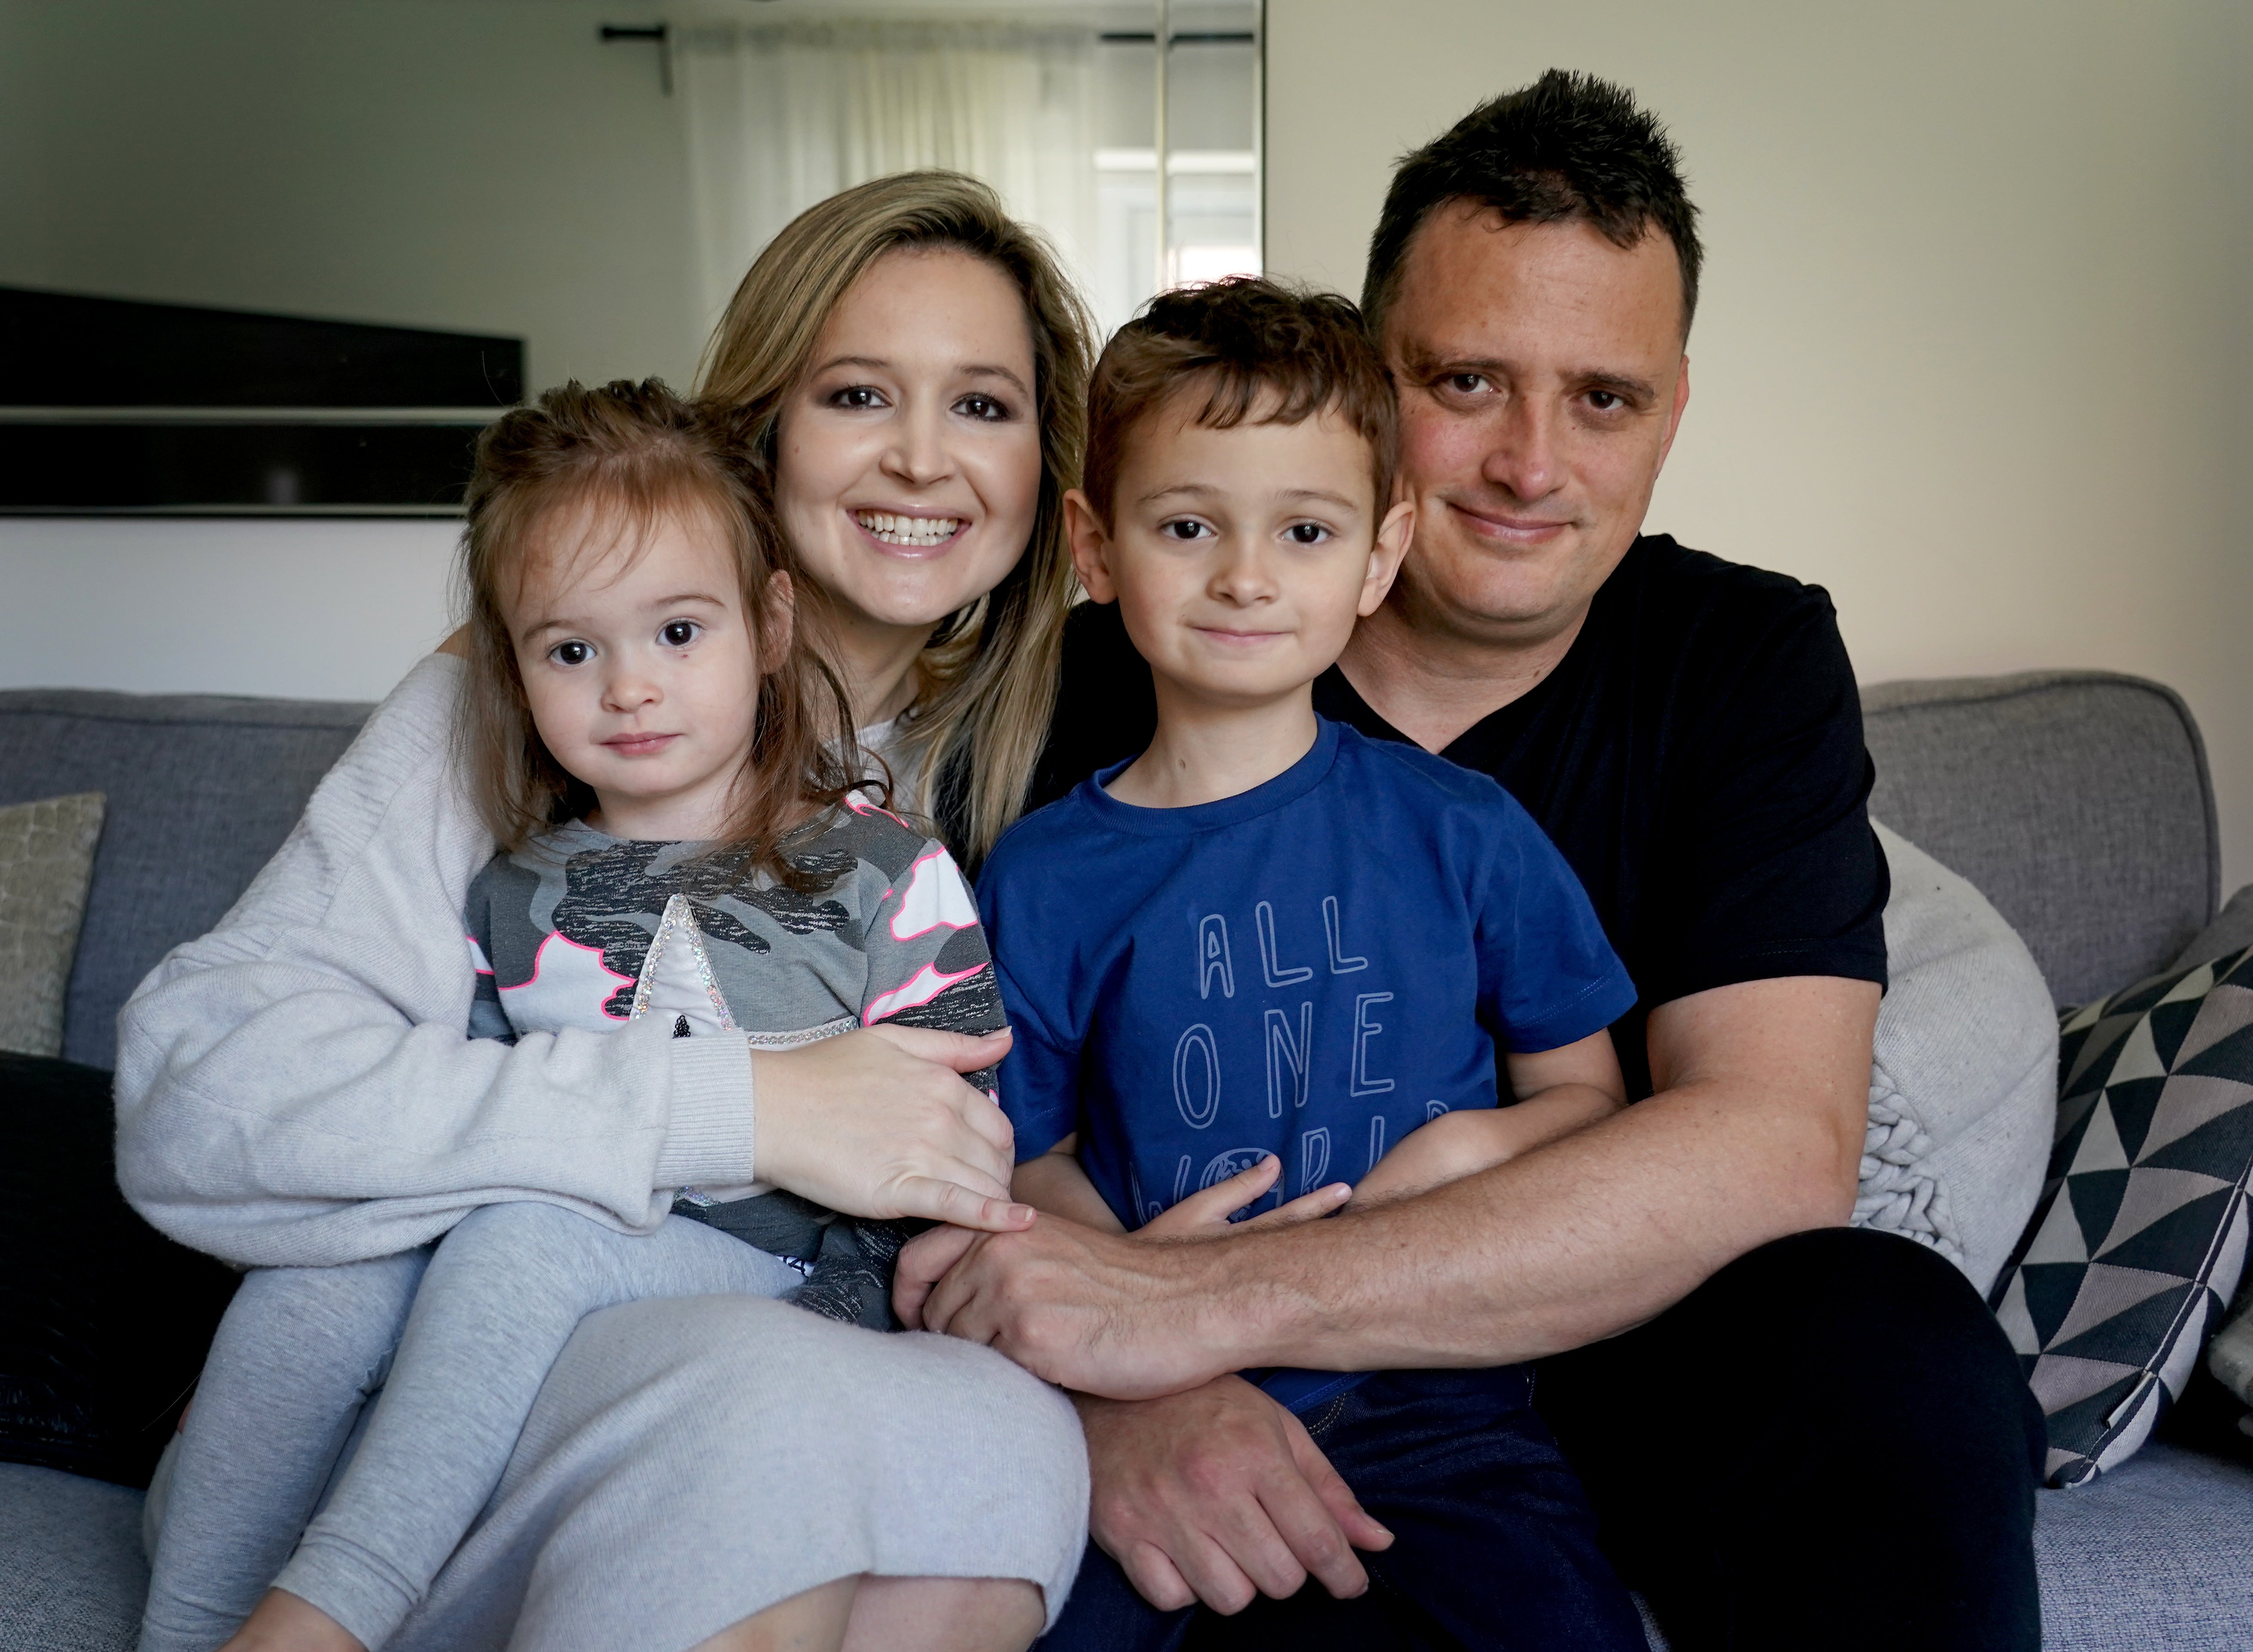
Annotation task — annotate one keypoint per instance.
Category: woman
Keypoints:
(726, 1472)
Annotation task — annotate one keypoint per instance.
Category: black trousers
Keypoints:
(1828, 1444)
(1494, 1549)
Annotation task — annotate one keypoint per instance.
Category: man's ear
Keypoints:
(1393, 535)
(781, 620)
(1674, 418)
(1091, 547)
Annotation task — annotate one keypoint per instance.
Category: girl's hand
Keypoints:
(1205, 1215)
(878, 1123)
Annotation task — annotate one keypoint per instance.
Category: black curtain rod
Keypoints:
(1150, 37)
(656, 32)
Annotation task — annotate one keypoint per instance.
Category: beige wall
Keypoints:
(1970, 352)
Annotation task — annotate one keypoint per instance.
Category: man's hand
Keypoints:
(1101, 1313)
(880, 1124)
(1219, 1493)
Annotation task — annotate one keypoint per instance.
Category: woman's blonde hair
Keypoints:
(988, 673)
(625, 458)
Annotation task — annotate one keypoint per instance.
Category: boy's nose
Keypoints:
(1243, 577)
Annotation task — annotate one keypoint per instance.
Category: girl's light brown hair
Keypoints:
(986, 685)
(551, 479)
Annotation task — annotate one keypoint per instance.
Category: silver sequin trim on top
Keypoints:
(678, 926)
(804, 1035)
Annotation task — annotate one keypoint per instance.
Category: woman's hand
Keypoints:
(879, 1123)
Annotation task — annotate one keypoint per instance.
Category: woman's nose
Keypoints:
(918, 455)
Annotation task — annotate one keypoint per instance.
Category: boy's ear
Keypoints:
(1392, 537)
(781, 620)
(1091, 547)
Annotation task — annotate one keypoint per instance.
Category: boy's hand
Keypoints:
(1205, 1215)
(924, 1261)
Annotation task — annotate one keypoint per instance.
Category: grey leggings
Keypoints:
(302, 1348)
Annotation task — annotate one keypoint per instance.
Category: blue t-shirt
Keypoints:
(1312, 968)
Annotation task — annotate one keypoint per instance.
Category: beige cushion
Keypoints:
(47, 862)
(1963, 1077)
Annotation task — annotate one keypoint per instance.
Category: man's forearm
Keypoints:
(1756, 1134)
(1590, 1235)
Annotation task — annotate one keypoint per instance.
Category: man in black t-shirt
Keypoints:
(1797, 1435)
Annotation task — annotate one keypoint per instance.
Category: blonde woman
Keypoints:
(296, 1094)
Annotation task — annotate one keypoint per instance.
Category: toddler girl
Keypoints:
(669, 769)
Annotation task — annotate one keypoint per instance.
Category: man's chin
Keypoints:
(1503, 590)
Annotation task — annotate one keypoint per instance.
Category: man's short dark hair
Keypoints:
(1568, 147)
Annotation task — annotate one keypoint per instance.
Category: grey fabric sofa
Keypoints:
(2078, 802)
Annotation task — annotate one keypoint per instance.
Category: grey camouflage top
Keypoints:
(582, 930)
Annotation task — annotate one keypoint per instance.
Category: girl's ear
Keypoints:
(1091, 547)
(781, 621)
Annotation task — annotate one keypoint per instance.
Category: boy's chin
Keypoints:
(1242, 691)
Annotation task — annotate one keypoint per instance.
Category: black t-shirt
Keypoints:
(1696, 754)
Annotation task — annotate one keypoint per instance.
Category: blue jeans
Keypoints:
(1494, 1543)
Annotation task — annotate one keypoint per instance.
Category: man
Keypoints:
(1795, 1434)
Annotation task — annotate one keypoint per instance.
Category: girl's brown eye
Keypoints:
(572, 653)
(679, 633)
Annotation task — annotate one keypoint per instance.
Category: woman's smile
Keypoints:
(911, 532)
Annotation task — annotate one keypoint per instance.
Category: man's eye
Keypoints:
(1468, 384)
(1605, 400)
(982, 407)
(1307, 533)
(679, 633)
(571, 653)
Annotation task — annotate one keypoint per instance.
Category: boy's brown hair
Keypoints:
(1260, 353)
(622, 458)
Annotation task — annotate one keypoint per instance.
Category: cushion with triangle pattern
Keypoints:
(2139, 1238)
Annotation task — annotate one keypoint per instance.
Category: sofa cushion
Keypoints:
(2231, 931)
(104, 1322)
(47, 862)
(1964, 1076)
(2159, 1553)
(201, 792)
(72, 1573)
(2141, 1235)
(2077, 802)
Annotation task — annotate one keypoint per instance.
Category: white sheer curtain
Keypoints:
(782, 115)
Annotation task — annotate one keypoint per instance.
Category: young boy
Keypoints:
(1269, 953)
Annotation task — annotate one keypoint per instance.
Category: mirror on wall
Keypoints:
(287, 256)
